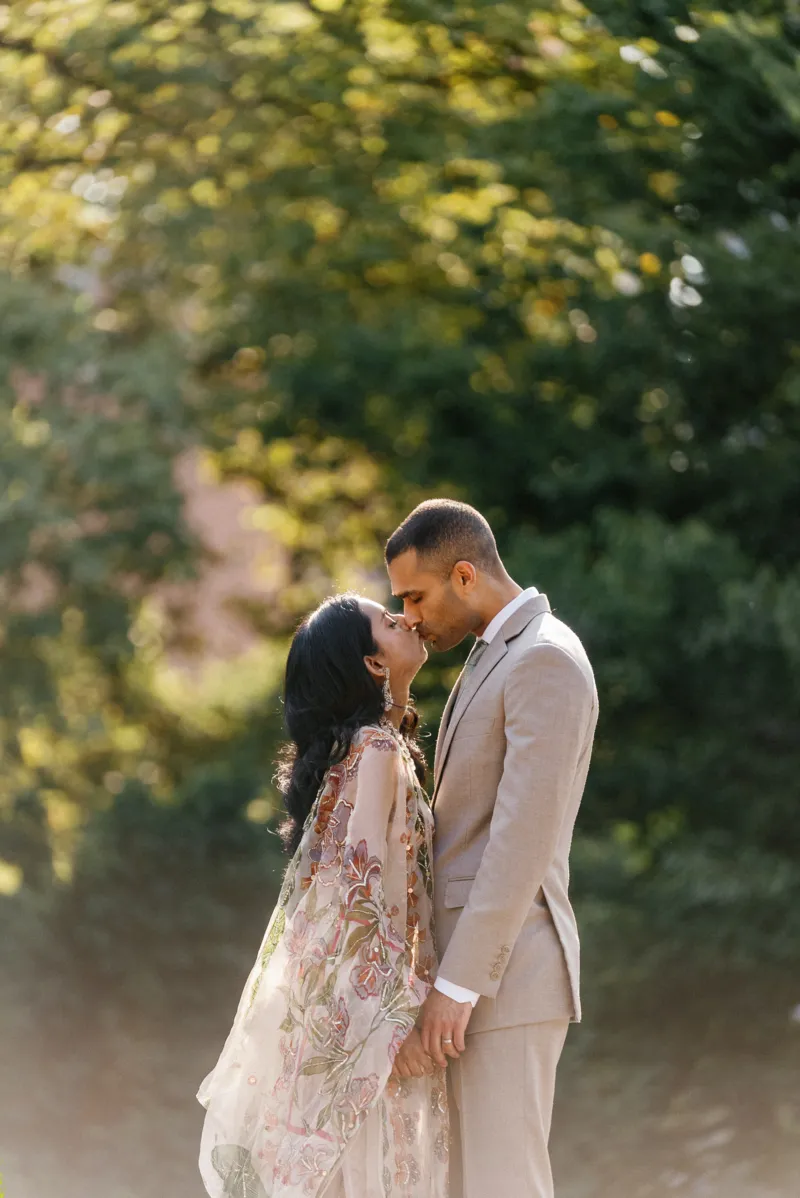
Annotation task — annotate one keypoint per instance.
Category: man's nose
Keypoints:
(410, 619)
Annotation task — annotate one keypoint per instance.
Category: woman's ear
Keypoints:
(375, 667)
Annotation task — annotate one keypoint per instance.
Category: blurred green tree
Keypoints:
(543, 258)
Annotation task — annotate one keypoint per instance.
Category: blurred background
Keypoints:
(270, 274)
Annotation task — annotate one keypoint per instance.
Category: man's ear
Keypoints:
(464, 576)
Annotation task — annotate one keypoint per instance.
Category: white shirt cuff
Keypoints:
(459, 993)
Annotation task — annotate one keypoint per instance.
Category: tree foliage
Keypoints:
(540, 257)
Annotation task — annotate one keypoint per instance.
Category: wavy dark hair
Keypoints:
(328, 695)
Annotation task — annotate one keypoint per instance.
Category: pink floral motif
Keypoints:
(340, 1022)
(337, 1024)
(267, 1156)
(324, 812)
(304, 948)
(331, 826)
(384, 742)
(298, 934)
(407, 1170)
(370, 972)
(315, 954)
(410, 1127)
(353, 1104)
(364, 872)
(288, 1050)
(312, 1164)
(399, 1036)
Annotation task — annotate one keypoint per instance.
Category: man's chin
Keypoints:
(435, 645)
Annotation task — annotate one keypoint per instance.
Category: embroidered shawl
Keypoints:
(301, 1095)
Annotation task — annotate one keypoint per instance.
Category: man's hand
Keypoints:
(411, 1060)
(442, 1022)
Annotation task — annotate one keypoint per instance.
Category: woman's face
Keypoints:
(400, 648)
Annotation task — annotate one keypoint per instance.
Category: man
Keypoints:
(511, 762)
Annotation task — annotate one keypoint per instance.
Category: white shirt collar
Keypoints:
(494, 625)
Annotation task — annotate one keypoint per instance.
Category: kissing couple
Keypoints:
(399, 1032)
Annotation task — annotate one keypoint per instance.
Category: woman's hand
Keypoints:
(411, 1059)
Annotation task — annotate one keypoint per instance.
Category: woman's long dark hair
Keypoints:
(328, 695)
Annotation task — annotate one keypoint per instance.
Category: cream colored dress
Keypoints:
(301, 1102)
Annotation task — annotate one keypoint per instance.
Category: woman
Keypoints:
(322, 1087)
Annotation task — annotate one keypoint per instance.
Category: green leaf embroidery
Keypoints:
(271, 943)
(235, 1166)
(356, 938)
(315, 1065)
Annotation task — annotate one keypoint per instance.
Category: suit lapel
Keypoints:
(455, 708)
(444, 723)
(459, 697)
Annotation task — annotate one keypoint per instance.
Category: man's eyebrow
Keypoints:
(402, 594)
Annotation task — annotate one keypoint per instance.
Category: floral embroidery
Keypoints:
(301, 932)
(351, 1106)
(370, 974)
(346, 961)
(364, 873)
(289, 1050)
(234, 1165)
(276, 930)
(423, 857)
(334, 1029)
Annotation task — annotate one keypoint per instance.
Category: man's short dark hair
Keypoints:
(445, 532)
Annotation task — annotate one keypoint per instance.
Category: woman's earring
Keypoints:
(388, 702)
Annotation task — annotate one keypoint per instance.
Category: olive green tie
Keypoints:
(476, 653)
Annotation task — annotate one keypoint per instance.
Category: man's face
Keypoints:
(437, 607)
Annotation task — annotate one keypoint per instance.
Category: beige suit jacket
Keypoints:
(511, 763)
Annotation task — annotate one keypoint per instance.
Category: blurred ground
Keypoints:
(686, 1084)
(681, 1082)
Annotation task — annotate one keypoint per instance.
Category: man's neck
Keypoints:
(500, 596)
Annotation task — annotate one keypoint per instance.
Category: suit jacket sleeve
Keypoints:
(548, 709)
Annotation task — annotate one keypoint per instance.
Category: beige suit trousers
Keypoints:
(500, 1092)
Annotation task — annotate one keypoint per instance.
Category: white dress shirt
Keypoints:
(461, 993)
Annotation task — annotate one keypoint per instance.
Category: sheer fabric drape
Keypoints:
(301, 1101)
